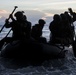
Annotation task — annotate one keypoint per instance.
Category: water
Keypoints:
(65, 66)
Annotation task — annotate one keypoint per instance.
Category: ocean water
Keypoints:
(65, 66)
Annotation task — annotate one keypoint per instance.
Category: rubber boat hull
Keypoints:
(31, 50)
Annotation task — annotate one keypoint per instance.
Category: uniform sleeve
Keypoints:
(9, 24)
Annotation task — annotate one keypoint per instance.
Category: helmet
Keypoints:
(41, 21)
(18, 14)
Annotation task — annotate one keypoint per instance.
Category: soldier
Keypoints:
(36, 32)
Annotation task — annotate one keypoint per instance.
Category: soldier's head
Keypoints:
(41, 21)
(19, 15)
(56, 17)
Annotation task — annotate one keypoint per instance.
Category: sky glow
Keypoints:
(36, 9)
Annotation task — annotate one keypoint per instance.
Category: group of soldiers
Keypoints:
(61, 28)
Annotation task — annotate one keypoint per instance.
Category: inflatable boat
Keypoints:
(31, 50)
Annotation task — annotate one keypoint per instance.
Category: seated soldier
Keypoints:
(67, 29)
(60, 30)
(54, 28)
(20, 28)
(36, 32)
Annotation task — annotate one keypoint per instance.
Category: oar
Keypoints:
(1, 41)
(8, 33)
(9, 30)
(9, 17)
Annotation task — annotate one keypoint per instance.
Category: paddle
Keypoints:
(9, 18)
(8, 33)
(1, 41)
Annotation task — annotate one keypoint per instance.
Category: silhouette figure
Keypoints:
(55, 29)
(70, 21)
(73, 14)
(36, 32)
(21, 28)
(66, 29)
(61, 31)
(27, 27)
